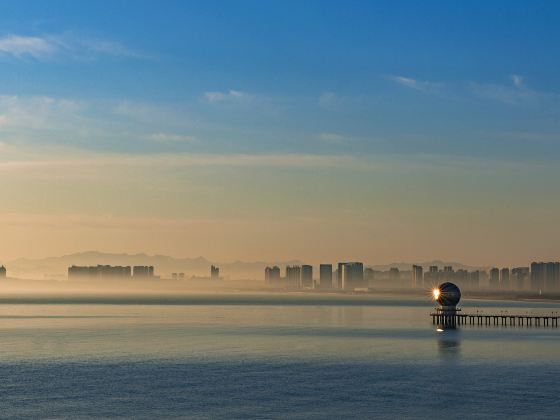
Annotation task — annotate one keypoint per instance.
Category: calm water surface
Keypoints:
(297, 357)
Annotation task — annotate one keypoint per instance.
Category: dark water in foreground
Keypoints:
(381, 359)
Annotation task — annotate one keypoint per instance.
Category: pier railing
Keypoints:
(447, 318)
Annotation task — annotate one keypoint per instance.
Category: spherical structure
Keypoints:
(447, 294)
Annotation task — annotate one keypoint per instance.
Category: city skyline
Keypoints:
(386, 144)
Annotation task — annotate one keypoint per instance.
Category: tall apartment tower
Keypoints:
(325, 276)
(214, 273)
(552, 277)
(520, 277)
(494, 278)
(505, 281)
(272, 276)
(143, 271)
(293, 276)
(351, 274)
(417, 276)
(537, 275)
(2, 272)
(307, 276)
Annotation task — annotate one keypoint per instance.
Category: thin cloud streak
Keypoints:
(172, 138)
(48, 47)
(422, 86)
(227, 97)
(167, 160)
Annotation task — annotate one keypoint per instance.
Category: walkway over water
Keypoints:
(450, 319)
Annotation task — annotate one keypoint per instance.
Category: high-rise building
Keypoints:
(352, 275)
(431, 277)
(417, 277)
(537, 275)
(214, 273)
(272, 276)
(293, 276)
(307, 276)
(143, 271)
(99, 272)
(325, 276)
(520, 277)
(474, 279)
(2, 272)
(339, 275)
(552, 277)
(494, 278)
(505, 279)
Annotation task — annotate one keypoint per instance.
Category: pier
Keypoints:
(448, 319)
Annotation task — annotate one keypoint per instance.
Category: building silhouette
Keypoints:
(214, 273)
(417, 277)
(2, 272)
(520, 277)
(143, 271)
(325, 276)
(293, 276)
(306, 276)
(505, 279)
(545, 276)
(351, 275)
(494, 281)
(99, 272)
(272, 276)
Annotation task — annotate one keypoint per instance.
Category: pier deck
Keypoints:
(446, 319)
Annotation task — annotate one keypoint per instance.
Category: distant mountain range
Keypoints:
(56, 267)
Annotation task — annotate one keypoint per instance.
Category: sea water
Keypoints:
(253, 356)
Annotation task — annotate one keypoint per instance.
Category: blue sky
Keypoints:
(391, 102)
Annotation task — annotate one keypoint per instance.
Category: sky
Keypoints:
(322, 131)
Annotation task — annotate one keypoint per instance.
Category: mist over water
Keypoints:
(271, 356)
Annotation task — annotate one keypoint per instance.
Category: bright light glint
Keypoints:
(436, 293)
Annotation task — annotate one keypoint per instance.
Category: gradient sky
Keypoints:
(323, 131)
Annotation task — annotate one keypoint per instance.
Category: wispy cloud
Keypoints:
(420, 85)
(228, 97)
(22, 46)
(67, 45)
(167, 160)
(332, 138)
(172, 138)
(517, 80)
(37, 112)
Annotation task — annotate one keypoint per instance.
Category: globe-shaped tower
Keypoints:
(447, 294)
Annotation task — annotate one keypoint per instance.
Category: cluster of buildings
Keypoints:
(545, 276)
(540, 276)
(137, 272)
(347, 276)
(110, 272)
(214, 275)
(434, 276)
(2, 272)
